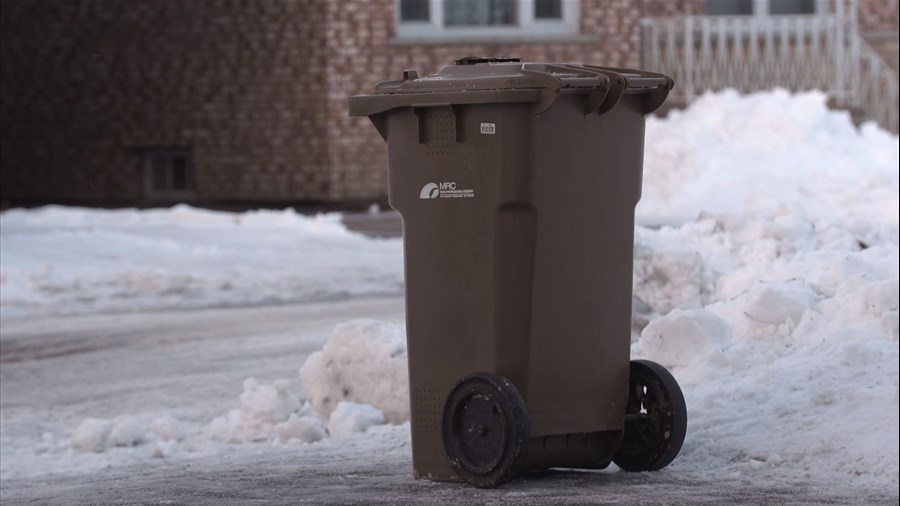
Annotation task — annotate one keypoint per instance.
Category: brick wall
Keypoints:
(85, 83)
(665, 8)
(879, 21)
(258, 89)
(878, 16)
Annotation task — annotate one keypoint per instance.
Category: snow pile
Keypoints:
(358, 380)
(71, 260)
(352, 418)
(363, 361)
(268, 411)
(767, 153)
(92, 434)
(681, 336)
(795, 345)
(97, 434)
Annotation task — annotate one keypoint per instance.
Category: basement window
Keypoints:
(168, 174)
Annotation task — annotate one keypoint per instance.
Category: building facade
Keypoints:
(244, 102)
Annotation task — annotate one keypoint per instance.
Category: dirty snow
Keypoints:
(363, 361)
(772, 295)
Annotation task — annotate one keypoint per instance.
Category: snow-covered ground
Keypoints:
(772, 296)
(59, 260)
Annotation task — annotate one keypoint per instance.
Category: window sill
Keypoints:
(518, 38)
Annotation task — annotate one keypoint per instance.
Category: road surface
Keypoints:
(56, 371)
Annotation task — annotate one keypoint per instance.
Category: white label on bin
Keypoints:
(489, 128)
(445, 190)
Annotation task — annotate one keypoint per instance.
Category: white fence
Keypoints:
(753, 53)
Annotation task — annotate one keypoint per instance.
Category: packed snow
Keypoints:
(352, 418)
(771, 294)
(59, 260)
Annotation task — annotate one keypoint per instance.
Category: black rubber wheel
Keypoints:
(485, 429)
(655, 419)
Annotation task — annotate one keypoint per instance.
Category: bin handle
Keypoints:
(616, 86)
(606, 95)
(655, 98)
(595, 98)
(656, 87)
(549, 91)
(656, 94)
(596, 95)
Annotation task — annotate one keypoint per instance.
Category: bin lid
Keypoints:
(474, 80)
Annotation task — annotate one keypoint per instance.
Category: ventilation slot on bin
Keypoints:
(437, 130)
(427, 405)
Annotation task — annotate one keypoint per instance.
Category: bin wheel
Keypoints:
(485, 429)
(655, 419)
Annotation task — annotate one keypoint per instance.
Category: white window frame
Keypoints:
(526, 25)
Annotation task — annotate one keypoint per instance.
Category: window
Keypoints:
(168, 174)
(729, 7)
(485, 19)
(763, 7)
(548, 9)
(479, 12)
(414, 10)
(792, 6)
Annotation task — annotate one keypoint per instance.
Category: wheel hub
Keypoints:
(482, 430)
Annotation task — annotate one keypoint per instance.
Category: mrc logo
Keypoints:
(444, 190)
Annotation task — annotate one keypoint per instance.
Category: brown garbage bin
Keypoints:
(517, 184)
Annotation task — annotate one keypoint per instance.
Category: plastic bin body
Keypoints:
(518, 229)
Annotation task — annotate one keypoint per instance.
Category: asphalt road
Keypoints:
(194, 361)
(273, 478)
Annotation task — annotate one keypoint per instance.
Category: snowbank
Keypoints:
(776, 304)
(358, 380)
(792, 342)
(768, 153)
(793, 348)
(58, 260)
(97, 434)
